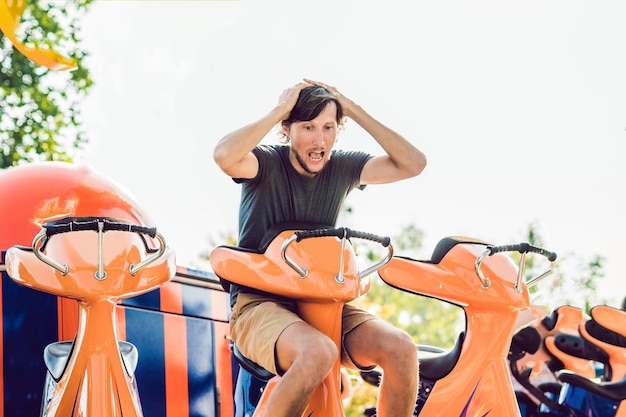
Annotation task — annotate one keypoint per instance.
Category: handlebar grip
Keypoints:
(383, 240)
(342, 232)
(75, 224)
(306, 234)
(523, 248)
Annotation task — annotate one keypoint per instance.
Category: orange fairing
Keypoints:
(582, 367)
(321, 274)
(476, 386)
(268, 272)
(38, 193)
(95, 382)
(614, 320)
(454, 279)
(609, 317)
(568, 320)
(79, 251)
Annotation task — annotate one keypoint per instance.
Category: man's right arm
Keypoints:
(233, 153)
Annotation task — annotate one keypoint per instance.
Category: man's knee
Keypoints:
(309, 348)
(325, 350)
(405, 341)
(398, 350)
(394, 339)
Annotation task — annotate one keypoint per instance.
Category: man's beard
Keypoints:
(303, 164)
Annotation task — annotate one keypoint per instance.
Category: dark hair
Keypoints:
(311, 102)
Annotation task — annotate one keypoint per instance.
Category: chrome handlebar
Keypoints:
(523, 249)
(344, 234)
(100, 225)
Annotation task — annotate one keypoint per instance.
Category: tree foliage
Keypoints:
(427, 320)
(39, 112)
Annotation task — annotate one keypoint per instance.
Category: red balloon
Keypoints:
(33, 194)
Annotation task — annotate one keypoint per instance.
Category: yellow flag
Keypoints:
(10, 13)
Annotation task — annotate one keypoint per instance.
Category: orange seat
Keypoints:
(605, 330)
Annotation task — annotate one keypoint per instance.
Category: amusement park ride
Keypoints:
(98, 320)
(179, 330)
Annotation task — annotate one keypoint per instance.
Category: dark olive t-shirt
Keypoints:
(279, 194)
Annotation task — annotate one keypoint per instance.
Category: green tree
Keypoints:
(427, 320)
(39, 112)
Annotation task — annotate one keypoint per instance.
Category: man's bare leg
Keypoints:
(308, 356)
(377, 342)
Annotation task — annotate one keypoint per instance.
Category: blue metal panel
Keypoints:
(145, 330)
(248, 390)
(581, 402)
(201, 367)
(29, 323)
(196, 301)
(150, 300)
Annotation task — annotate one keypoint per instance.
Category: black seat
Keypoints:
(438, 366)
(615, 391)
(250, 366)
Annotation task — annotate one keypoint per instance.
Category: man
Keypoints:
(305, 181)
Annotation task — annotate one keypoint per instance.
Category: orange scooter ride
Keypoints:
(570, 344)
(585, 397)
(318, 268)
(472, 379)
(96, 261)
(545, 346)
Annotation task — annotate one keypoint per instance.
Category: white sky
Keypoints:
(519, 106)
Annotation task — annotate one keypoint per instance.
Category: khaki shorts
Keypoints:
(257, 320)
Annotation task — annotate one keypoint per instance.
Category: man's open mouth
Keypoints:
(316, 156)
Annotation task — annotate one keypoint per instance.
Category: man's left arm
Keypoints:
(401, 160)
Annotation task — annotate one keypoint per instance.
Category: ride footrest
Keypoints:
(57, 354)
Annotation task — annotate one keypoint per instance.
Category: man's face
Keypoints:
(312, 141)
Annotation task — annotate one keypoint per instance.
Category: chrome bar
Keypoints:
(63, 269)
(141, 265)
